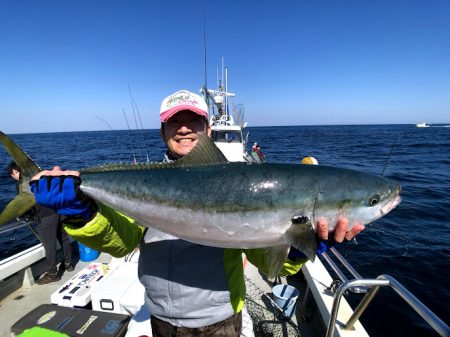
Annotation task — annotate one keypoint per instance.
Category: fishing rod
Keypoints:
(134, 115)
(107, 124)
(137, 129)
(135, 108)
(204, 46)
(205, 60)
(116, 140)
(143, 132)
(390, 154)
(129, 134)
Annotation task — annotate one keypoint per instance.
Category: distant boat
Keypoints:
(227, 125)
(422, 125)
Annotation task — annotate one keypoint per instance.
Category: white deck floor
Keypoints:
(24, 300)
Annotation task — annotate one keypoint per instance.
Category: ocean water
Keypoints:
(412, 243)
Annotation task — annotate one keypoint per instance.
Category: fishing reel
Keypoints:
(333, 287)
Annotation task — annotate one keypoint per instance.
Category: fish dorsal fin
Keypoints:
(204, 153)
(28, 167)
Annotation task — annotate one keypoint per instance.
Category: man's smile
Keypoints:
(185, 140)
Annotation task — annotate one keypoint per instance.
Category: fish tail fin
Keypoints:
(301, 235)
(277, 257)
(28, 168)
(17, 207)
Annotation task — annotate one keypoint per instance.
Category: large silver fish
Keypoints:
(205, 199)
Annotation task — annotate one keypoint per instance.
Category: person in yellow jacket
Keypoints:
(190, 289)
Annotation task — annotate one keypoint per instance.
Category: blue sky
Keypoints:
(62, 63)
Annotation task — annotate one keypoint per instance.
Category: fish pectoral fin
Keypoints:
(17, 207)
(277, 258)
(301, 236)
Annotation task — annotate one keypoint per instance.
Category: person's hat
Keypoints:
(182, 100)
(309, 160)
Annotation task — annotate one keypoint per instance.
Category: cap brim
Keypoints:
(169, 113)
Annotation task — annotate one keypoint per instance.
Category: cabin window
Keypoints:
(226, 136)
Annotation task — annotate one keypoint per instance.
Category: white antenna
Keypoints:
(226, 89)
(204, 46)
(222, 71)
(217, 77)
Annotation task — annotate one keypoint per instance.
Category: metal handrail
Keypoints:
(335, 267)
(381, 281)
(345, 263)
(339, 272)
(14, 225)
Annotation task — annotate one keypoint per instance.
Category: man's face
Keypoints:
(180, 132)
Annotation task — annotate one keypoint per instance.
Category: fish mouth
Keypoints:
(393, 203)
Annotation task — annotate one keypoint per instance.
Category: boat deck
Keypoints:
(266, 317)
(27, 298)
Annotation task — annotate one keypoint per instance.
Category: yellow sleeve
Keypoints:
(110, 232)
(260, 258)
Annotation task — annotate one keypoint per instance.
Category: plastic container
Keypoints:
(120, 292)
(285, 296)
(78, 290)
(87, 254)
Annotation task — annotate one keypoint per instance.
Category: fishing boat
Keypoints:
(422, 125)
(227, 122)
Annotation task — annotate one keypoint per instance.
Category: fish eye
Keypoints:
(374, 200)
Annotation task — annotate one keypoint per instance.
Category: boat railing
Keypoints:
(371, 287)
(342, 278)
(23, 259)
(14, 225)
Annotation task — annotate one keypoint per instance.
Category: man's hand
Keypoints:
(340, 231)
(60, 190)
(56, 171)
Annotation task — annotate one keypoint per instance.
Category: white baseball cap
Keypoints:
(182, 100)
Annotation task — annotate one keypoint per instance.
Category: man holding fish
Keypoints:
(194, 284)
